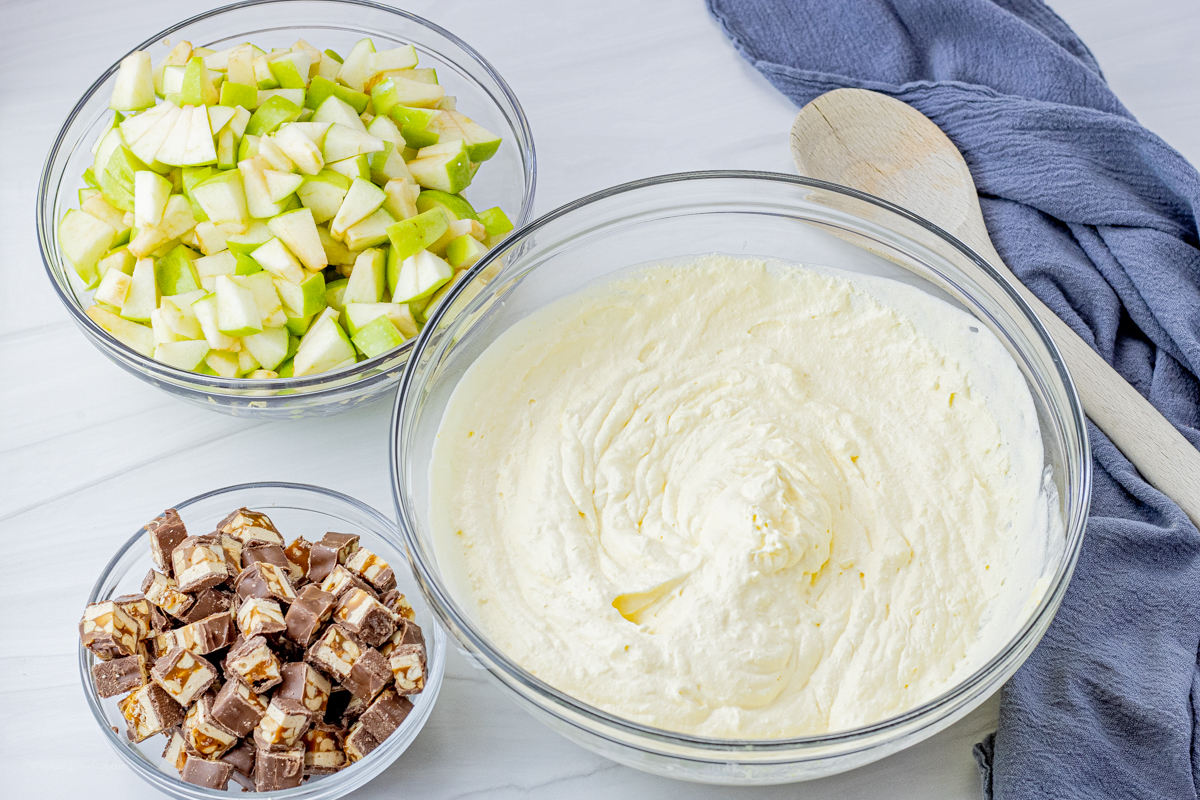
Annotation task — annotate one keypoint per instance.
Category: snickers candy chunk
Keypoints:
(323, 754)
(398, 604)
(238, 709)
(166, 531)
(241, 758)
(206, 636)
(209, 774)
(164, 593)
(407, 632)
(120, 675)
(308, 613)
(278, 769)
(369, 676)
(365, 617)
(407, 662)
(203, 734)
(306, 686)
(282, 726)
(199, 562)
(385, 714)
(138, 609)
(342, 580)
(298, 553)
(233, 554)
(183, 675)
(334, 653)
(206, 603)
(372, 569)
(175, 753)
(332, 550)
(359, 742)
(257, 616)
(149, 711)
(265, 580)
(255, 664)
(250, 526)
(108, 631)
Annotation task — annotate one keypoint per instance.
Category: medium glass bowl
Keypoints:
(740, 214)
(507, 180)
(297, 510)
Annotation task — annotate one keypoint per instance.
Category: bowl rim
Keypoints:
(363, 371)
(164, 781)
(954, 697)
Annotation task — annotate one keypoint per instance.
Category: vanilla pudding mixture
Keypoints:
(744, 499)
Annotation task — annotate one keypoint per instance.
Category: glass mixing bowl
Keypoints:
(297, 510)
(507, 180)
(741, 214)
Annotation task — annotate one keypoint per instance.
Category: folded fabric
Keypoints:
(1098, 216)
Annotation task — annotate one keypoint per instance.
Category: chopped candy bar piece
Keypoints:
(257, 616)
(298, 553)
(323, 753)
(207, 602)
(408, 668)
(274, 770)
(282, 726)
(255, 664)
(305, 685)
(311, 608)
(334, 653)
(166, 531)
(398, 604)
(365, 617)
(372, 569)
(175, 753)
(250, 526)
(184, 675)
(369, 676)
(203, 734)
(138, 609)
(407, 632)
(199, 562)
(206, 636)
(342, 580)
(119, 675)
(266, 580)
(385, 714)
(159, 621)
(233, 554)
(238, 708)
(241, 758)
(270, 554)
(108, 631)
(359, 742)
(164, 593)
(149, 711)
(209, 774)
(333, 549)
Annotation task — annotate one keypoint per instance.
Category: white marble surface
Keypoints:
(615, 90)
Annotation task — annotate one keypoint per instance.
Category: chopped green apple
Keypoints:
(282, 184)
(305, 298)
(495, 222)
(150, 193)
(197, 88)
(399, 201)
(223, 363)
(175, 273)
(361, 200)
(321, 88)
(272, 114)
(342, 141)
(355, 68)
(455, 205)
(237, 310)
(336, 110)
(324, 347)
(298, 230)
(142, 297)
(352, 168)
(223, 197)
(445, 167)
(269, 347)
(323, 194)
(370, 231)
(185, 355)
(420, 276)
(113, 288)
(84, 239)
(239, 94)
(482, 144)
(293, 141)
(134, 336)
(464, 251)
(134, 87)
(378, 337)
(359, 315)
(276, 259)
(367, 280)
(291, 69)
(410, 236)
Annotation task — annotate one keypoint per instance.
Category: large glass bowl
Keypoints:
(297, 510)
(507, 180)
(741, 214)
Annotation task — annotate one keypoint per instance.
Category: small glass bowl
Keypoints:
(297, 510)
(507, 180)
(751, 214)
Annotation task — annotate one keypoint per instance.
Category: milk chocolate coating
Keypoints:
(307, 614)
(209, 774)
(166, 531)
(369, 675)
(278, 770)
(236, 712)
(359, 742)
(214, 632)
(241, 758)
(271, 553)
(119, 675)
(207, 602)
(386, 714)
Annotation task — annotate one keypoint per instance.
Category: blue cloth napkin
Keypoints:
(1098, 216)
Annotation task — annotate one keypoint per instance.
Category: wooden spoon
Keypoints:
(879, 145)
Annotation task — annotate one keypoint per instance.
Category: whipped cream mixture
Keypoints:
(743, 499)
